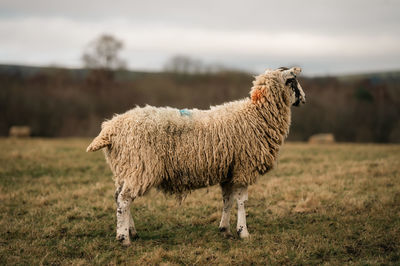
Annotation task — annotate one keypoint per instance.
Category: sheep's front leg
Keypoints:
(228, 200)
(123, 216)
(241, 197)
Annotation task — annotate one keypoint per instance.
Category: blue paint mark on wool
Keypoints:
(185, 112)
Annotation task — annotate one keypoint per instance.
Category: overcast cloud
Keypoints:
(324, 37)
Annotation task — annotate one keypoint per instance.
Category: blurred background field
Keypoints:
(335, 204)
(58, 102)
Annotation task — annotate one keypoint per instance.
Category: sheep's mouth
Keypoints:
(294, 85)
(299, 100)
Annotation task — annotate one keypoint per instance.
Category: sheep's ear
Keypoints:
(291, 73)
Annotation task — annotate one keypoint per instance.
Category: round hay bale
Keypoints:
(20, 132)
(326, 138)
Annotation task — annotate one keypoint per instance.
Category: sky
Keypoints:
(323, 37)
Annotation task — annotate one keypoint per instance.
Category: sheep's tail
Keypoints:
(99, 142)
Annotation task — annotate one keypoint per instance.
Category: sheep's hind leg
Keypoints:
(241, 198)
(124, 201)
(228, 199)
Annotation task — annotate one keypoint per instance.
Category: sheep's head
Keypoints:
(273, 81)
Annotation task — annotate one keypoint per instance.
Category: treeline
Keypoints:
(57, 102)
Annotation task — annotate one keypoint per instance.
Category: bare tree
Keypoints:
(102, 53)
(183, 64)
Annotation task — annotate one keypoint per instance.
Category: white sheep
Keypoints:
(181, 150)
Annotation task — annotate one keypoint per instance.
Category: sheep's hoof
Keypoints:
(227, 233)
(125, 241)
(243, 235)
(133, 235)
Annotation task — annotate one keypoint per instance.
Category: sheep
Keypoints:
(178, 151)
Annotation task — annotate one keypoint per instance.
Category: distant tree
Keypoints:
(362, 94)
(102, 53)
(183, 64)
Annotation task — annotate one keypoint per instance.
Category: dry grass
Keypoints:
(331, 204)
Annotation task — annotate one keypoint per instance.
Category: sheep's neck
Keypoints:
(270, 123)
(276, 115)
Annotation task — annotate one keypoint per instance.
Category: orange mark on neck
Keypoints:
(256, 96)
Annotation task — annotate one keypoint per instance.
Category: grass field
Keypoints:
(333, 204)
